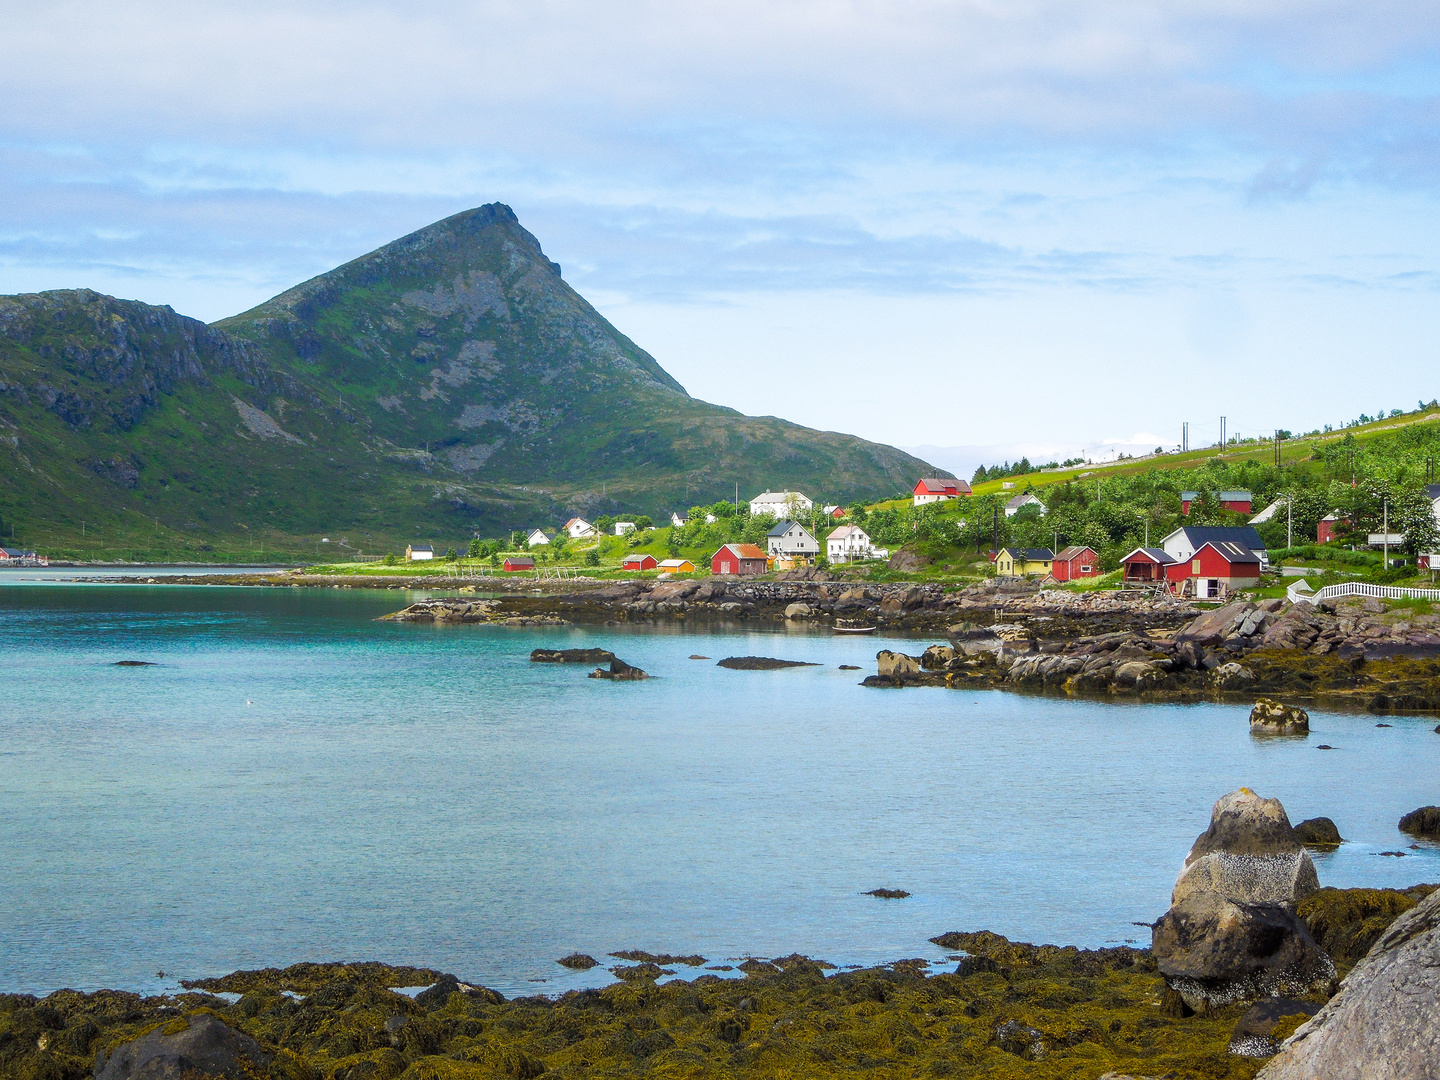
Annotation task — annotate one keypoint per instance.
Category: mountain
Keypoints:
(446, 384)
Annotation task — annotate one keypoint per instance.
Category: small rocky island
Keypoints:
(1253, 962)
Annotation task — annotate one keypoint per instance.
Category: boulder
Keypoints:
(760, 663)
(907, 562)
(799, 610)
(1232, 933)
(196, 1044)
(571, 656)
(1139, 674)
(1424, 822)
(1383, 1024)
(1259, 1032)
(619, 671)
(1213, 627)
(895, 663)
(1231, 676)
(936, 657)
(1272, 718)
(1318, 832)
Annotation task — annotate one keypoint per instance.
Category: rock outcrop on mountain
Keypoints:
(1232, 933)
(1383, 1024)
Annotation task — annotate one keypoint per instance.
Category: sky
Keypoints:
(983, 229)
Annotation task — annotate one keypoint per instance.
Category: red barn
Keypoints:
(738, 559)
(1147, 566)
(1074, 563)
(1238, 501)
(638, 562)
(1325, 530)
(1222, 566)
(934, 488)
(514, 563)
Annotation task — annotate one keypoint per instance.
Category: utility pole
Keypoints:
(1289, 521)
(1185, 437)
(1385, 535)
(997, 527)
(1222, 433)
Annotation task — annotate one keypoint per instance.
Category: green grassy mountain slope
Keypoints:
(447, 384)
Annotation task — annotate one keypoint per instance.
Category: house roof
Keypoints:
(1432, 491)
(1269, 512)
(779, 497)
(1231, 551)
(1155, 555)
(845, 531)
(1022, 500)
(13, 553)
(575, 521)
(781, 528)
(542, 532)
(939, 484)
(744, 551)
(519, 559)
(1031, 554)
(1073, 552)
(638, 556)
(1200, 535)
(421, 547)
(674, 564)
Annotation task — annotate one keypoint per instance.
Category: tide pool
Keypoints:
(293, 781)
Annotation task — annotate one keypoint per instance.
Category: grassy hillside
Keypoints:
(448, 385)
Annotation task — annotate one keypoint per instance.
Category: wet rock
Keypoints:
(1256, 1032)
(619, 671)
(894, 663)
(936, 657)
(133, 663)
(1021, 1040)
(849, 667)
(1138, 674)
(1424, 822)
(798, 610)
(1232, 933)
(197, 1044)
(1213, 627)
(1347, 922)
(760, 663)
(571, 656)
(1383, 1022)
(1272, 718)
(888, 894)
(1319, 832)
(578, 961)
(1231, 676)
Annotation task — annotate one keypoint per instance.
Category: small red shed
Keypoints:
(738, 559)
(515, 563)
(1325, 530)
(1238, 501)
(1074, 563)
(1147, 566)
(640, 561)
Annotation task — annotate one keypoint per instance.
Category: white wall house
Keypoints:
(676, 520)
(852, 542)
(579, 529)
(537, 537)
(791, 540)
(623, 527)
(1182, 544)
(419, 552)
(780, 504)
(1019, 502)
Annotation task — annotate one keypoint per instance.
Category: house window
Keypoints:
(1195, 566)
(1085, 569)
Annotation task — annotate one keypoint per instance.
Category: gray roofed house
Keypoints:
(1183, 543)
(790, 539)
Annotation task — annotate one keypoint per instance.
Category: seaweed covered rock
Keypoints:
(619, 671)
(1319, 832)
(760, 663)
(1383, 1023)
(199, 1044)
(1347, 922)
(1232, 933)
(1273, 718)
(1259, 1032)
(1424, 822)
(571, 656)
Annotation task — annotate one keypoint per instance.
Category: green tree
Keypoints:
(475, 548)
(644, 522)
(605, 523)
(592, 557)
(449, 553)
(389, 559)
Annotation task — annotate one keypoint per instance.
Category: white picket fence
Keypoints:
(1296, 592)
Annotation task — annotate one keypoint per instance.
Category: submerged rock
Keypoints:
(1272, 718)
(1424, 822)
(888, 894)
(1232, 933)
(1383, 1023)
(619, 671)
(134, 663)
(578, 961)
(760, 663)
(193, 1045)
(1319, 832)
(571, 656)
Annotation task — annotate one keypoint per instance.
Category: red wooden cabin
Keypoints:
(640, 561)
(1074, 563)
(738, 559)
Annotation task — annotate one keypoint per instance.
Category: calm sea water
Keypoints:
(295, 781)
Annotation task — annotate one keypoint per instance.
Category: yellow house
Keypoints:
(676, 566)
(1020, 562)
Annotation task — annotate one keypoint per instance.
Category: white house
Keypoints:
(791, 540)
(1019, 502)
(676, 520)
(780, 505)
(1182, 544)
(579, 529)
(623, 527)
(419, 552)
(537, 537)
(851, 542)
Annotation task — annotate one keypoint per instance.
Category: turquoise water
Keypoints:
(295, 781)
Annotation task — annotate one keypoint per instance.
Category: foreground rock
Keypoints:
(1272, 718)
(1424, 822)
(1266, 1024)
(198, 1046)
(1232, 933)
(1384, 1023)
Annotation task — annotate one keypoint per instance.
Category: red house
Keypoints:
(1147, 566)
(738, 559)
(1222, 566)
(1325, 530)
(638, 562)
(1238, 501)
(934, 488)
(514, 563)
(1074, 563)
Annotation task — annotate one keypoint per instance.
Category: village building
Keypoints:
(850, 542)
(1219, 568)
(1182, 544)
(1238, 501)
(835, 512)
(419, 552)
(934, 489)
(780, 504)
(638, 561)
(791, 540)
(1075, 563)
(676, 566)
(623, 527)
(1327, 527)
(1022, 562)
(743, 559)
(579, 529)
(1020, 502)
(515, 563)
(17, 557)
(1146, 566)
(537, 537)
(676, 520)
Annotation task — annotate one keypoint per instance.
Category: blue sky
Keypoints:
(984, 228)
